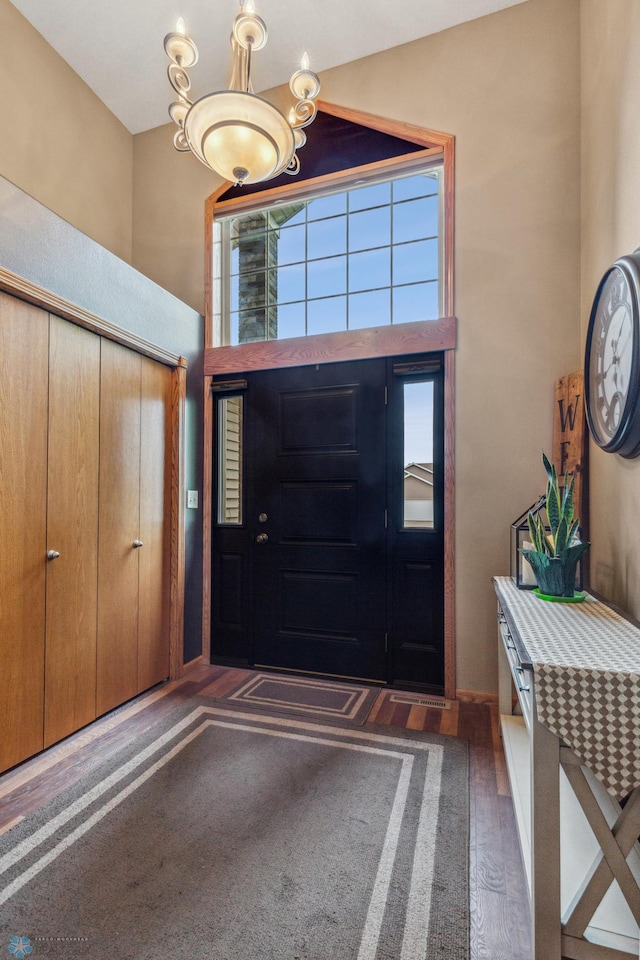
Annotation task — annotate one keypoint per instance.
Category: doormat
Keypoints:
(302, 696)
(227, 834)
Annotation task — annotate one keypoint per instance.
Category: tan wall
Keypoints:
(169, 191)
(507, 86)
(59, 143)
(610, 57)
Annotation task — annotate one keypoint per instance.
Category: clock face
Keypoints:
(611, 353)
(613, 361)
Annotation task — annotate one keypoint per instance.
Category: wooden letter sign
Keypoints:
(570, 435)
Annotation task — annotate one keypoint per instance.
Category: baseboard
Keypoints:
(192, 664)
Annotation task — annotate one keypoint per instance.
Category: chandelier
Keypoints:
(234, 132)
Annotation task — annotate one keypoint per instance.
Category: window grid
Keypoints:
(302, 302)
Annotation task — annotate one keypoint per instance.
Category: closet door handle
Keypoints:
(52, 554)
(137, 543)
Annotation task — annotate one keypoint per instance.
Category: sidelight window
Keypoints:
(230, 435)
(419, 475)
(368, 256)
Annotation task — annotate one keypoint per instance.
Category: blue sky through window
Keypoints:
(365, 257)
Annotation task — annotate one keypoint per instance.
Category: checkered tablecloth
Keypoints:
(586, 662)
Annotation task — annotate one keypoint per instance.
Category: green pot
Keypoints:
(556, 576)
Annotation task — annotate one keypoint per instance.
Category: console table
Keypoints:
(569, 691)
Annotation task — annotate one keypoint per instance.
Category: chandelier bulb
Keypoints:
(249, 6)
(180, 28)
(304, 62)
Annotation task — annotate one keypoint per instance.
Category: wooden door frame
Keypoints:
(24, 289)
(423, 337)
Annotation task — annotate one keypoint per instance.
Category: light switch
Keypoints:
(192, 499)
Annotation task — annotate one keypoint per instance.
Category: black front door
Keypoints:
(319, 565)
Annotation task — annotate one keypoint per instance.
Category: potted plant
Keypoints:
(557, 549)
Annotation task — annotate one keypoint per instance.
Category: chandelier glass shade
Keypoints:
(234, 132)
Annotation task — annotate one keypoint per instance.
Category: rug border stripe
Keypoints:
(416, 925)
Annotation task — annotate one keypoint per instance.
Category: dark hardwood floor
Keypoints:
(500, 927)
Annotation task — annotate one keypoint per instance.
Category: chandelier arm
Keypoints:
(179, 80)
(293, 167)
(248, 87)
(180, 142)
(303, 113)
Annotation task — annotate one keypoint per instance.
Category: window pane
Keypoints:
(417, 261)
(374, 196)
(234, 332)
(415, 219)
(326, 277)
(370, 309)
(251, 224)
(291, 322)
(418, 455)
(290, 245)
(230, 411)
(371, 228)
(248, 289)
(294, 214)
(370, 269)
(250, 326)
(421, 185)
(417, 302)
(290, 284)
(327, 316)
(327, 237)
(329, 206)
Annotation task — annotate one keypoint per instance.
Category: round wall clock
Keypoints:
(612, 359)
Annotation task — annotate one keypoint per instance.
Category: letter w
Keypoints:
(570, 416)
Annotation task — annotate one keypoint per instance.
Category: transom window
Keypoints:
(368, 256)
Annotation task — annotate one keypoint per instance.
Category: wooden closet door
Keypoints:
(24, 351)
(119, 525)
(155, 473)
(72, 529)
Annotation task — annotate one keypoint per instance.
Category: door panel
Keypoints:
(72, 529)
(24, 364)
(318, 440)
(153, 626)
(319, 511)
(117, 652)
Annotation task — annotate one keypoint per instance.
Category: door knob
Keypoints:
(52, 554)
(262, 538)
(262, 517)
(138, 543)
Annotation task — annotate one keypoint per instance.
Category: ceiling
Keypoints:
(116, 45)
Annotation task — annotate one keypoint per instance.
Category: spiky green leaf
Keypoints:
(549, 467)
(567, 496)
(553, 506)
(562, 538)
(573, 530)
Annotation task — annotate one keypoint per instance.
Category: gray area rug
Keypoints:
(227, 835)
(303, 696)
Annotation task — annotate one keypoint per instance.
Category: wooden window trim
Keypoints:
(438, 148)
